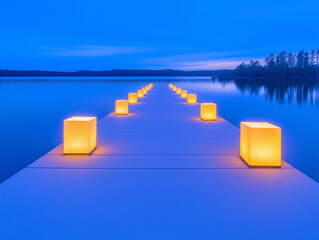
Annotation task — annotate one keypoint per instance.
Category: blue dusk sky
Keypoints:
(71, 35)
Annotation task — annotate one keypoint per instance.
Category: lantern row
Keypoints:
(260, 142)
(79, 133)
(208, 111)
(121, 106)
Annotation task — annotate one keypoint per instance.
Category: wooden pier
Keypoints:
(158, 173)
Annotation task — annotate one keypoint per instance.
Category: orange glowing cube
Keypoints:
(174, 88)
(140, 93)
(178, 90)
(132, 98)
(79, 135)
(144, 90)
(121, 107)
(191, 98)
(208, 111)
(184, 94)
(260, 144)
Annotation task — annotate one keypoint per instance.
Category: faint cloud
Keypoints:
(217, 64)
(200, 61)
(210, 64)
(94, 51)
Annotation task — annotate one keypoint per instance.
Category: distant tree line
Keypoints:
(116, 72)
(281, 66)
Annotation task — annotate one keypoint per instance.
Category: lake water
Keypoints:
(33, 110)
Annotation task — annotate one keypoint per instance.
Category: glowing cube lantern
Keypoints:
(132, 98)
(144, 90)
(121, 107)
(140, 93)
(178, 90)
(184, 94)
(260, 144)
(208, 111)
(174, 88)
(170, 85)
(79, 135)
(191, 98)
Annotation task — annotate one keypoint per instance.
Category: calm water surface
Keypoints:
(32, 113)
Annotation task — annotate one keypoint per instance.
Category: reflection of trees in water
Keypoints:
(291, 90)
